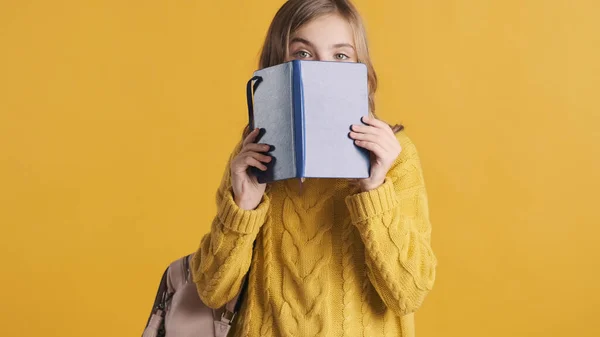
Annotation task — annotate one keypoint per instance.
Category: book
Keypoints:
(305, 110)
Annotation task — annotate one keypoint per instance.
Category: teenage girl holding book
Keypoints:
(339, 257)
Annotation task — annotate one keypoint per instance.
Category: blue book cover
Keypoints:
(305, 110)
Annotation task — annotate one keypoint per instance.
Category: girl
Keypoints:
(337, 258)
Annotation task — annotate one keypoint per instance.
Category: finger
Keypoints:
(369, 137)
(389, 138)
(250, 161)
(378, 136)
(365, 129)
(251, 137)
(377, 123)
(371, 146)
(256, 147)
(260, 157)
(243, 160)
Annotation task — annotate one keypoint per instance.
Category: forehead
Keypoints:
(326, 30)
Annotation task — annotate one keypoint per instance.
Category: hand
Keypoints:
(247, 191)
(380, 140)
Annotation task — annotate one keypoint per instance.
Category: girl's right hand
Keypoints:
(247, 191)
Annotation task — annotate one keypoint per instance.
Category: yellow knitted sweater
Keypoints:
(328, 260)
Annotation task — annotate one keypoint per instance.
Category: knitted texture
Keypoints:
(329, 260)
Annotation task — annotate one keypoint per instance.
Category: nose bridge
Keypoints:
(321, 52)
(321, 56)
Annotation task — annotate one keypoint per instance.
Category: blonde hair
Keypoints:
(295, 14)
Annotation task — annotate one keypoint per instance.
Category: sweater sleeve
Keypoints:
(223, 258)
(393, 222)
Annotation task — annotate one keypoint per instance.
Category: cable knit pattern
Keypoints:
(394, 225)
(250, 303)
(306, 254)
(367, 314)
(328, 261)
(349, 278)
(267, 322)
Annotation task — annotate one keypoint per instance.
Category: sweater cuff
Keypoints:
(365, 205)
(240, 220)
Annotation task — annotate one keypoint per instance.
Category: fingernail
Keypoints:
(271, 148)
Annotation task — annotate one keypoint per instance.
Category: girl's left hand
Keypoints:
(380, 140)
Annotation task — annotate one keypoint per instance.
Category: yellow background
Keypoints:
(117, 117)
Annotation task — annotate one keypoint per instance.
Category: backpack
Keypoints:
(179, 312)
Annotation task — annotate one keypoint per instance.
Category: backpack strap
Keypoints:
(176, 275)
(225, 315)
(156, 319)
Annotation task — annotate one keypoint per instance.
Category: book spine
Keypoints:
(298, 108)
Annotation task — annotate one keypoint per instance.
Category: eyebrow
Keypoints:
(306, 42)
